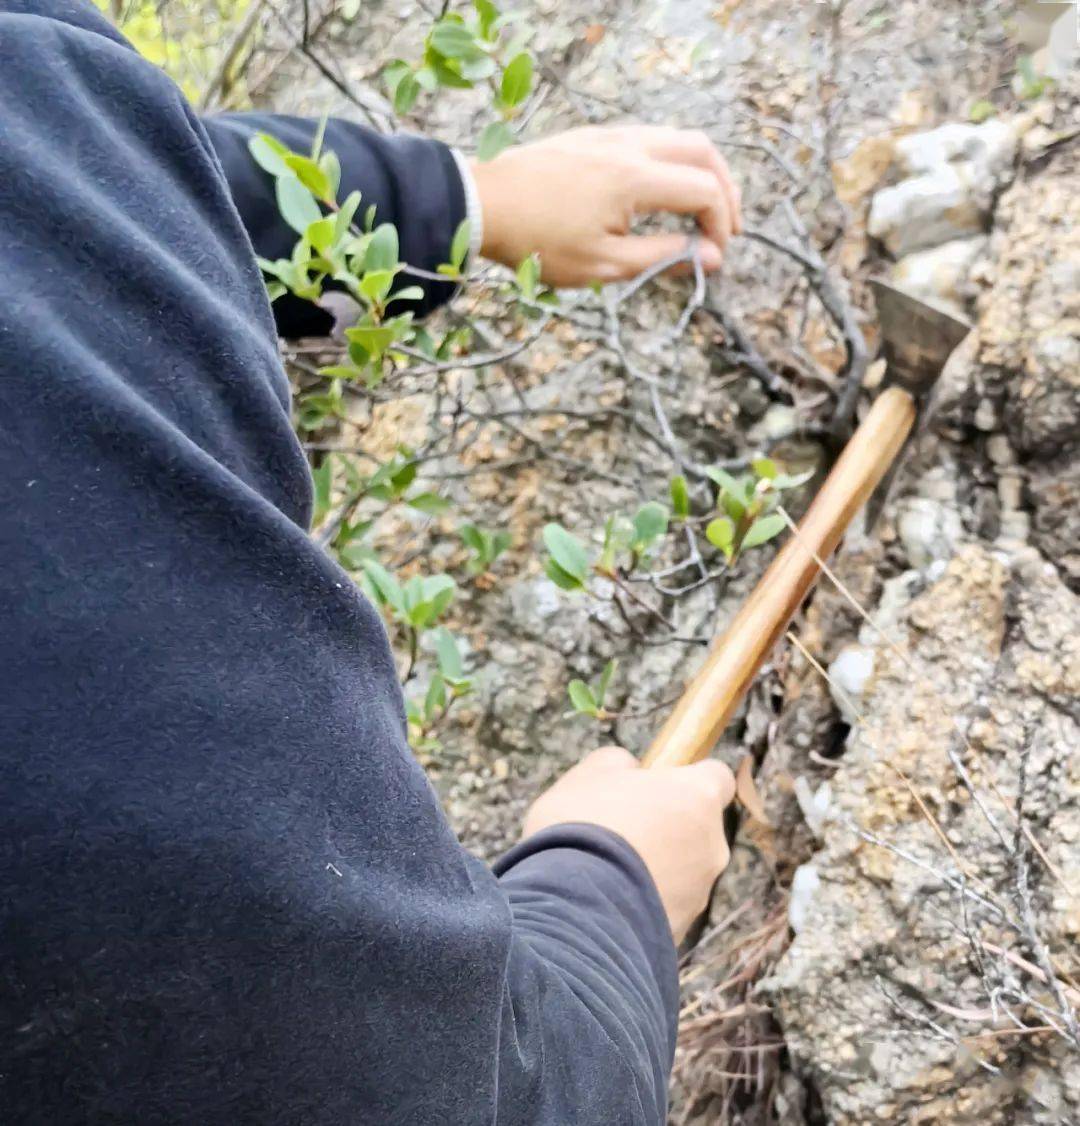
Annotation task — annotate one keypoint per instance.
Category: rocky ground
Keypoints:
(899, 942)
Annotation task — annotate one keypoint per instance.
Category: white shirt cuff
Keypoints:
(472, 208)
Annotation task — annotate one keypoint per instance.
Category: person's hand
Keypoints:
(672, 816)
(572, 198)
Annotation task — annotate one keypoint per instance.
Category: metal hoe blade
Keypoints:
(918, 337)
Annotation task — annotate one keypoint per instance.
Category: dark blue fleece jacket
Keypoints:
(227, 892)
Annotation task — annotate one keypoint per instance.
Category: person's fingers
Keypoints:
(691, 146)
(687, 190)
(610, 758)
(626, 256)
(714, 780)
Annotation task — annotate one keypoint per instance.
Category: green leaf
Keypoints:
(487, 14)
(375, 285)
(274, 290)
(477, 69)
(581, 696)
(403, 85)
(269, 154)
(352, 531)
(343, 219)
(401, 474)
(517, 80)
(423, 342)
(331, 168)
(561, 578)
(650, 522)
(321, 234)
(495, 137)
(296, 204)
(406, 93)
(323, 478)
(429, 503)
(981, 111)
(382, 250)
(460, 245)
(680, 497)
(764, 467)
(567, 551)
(721, 533)
(310, 175)
(438, 593)
(762, 530)
(728, 483)
(385, 589)
(435, 697)
(446, 72)
(605, 680)
(341, 371)
(373, 339)
(528, 276)
(448, 655)
(472, 537)
(320, 134)
(409, 293)
(453, 40)
(783, 481)
(500, 542)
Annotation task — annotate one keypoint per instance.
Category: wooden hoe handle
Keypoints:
(712, 697)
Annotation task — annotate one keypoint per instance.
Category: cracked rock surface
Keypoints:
(900, 994)
(887, 952)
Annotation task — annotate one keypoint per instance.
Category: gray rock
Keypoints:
(989, 149)
(883, 946)
(941, 273)
(779, 421)
(804, 887)
(928, 530)
(950, 202)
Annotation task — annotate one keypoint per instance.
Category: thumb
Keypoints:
(627, 256)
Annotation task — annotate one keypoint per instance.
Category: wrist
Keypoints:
(490, 192)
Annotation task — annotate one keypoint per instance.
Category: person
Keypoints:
(228, 892)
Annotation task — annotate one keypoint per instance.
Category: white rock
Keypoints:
(940, 274)
(989, 148)
(779, 421)
(952, 202)
(804, 886)
(1010, 491)
(999, 451)
(928, 530)
(848, 677)
(814, 804)
(1062, 51)
(1015, 527)
(985, 417)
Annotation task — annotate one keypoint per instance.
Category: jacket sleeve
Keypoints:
(592, 982)
(413, 183)
(227, 890)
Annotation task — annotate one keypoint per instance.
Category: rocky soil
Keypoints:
(890, 947)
